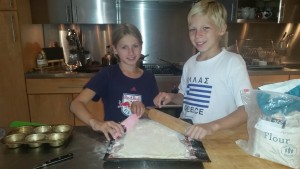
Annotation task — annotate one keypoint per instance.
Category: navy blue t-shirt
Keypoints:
(119, 91)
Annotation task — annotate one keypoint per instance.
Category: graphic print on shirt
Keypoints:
(126, 102)
(197, 97)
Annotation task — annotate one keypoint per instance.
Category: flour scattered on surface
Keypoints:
(150, 139)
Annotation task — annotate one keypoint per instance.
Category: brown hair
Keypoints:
(125, 29)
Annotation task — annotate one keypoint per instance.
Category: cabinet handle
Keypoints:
(64, 87)
(11, 4)
(266, 83)
(76, 14)
(118, 8)
(68, 15)
(232, 12)
(281, 12)
(13, 27)
(68, 103)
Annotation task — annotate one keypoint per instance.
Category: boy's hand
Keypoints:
(199, 131)
(163, 98)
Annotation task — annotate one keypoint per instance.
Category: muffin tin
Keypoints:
(54, 135)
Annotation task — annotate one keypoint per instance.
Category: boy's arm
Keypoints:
(164, 98)
(178, 99)
(236, 118)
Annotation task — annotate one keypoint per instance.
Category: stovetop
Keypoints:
(162, 69)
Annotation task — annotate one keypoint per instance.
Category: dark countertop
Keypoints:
(88, 148)
(63, 74)
(283, 71)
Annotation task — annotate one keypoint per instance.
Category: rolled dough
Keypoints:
(150, 139)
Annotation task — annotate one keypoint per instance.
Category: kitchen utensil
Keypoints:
(55, 161)
(73, 39)
(283, 36)
(167, 106)
(168, 120)
(35, 136)
(194, 150)
(256, 49)
(109, 58)
(24, 123)
(141, 61)
(2, 133)
(127, 124)
(283, 44)
(251, 13)
(288, 38)
(130, 122)
(245, 12)
(266, 14)
(178, 66)
(54, 53)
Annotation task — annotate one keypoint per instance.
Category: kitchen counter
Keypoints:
(63, 74)
(89, 148)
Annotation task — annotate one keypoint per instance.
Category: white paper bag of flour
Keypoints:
(273, 126)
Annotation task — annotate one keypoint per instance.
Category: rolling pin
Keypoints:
(168, 120)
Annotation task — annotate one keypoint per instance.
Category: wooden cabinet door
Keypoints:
(13, 99)
(51, 108)
(294, 76)
(8, 5)
(258, 81)
(96, 109)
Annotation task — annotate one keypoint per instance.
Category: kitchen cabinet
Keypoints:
(283, 11)
(231, 7)
(289, 11)
(258, 81)
(51, 108)
(294, 76)
(8, 5)
(13, 98)
(95, 108)
(74, 11)
(49, 100)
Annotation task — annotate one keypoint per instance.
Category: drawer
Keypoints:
(61, 85)
(258, 81)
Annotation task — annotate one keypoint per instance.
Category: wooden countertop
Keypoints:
(224, 153)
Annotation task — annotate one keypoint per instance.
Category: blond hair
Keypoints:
(212, 8)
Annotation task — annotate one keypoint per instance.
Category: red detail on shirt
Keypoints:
(133, 89)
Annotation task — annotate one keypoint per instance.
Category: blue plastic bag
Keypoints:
(276, 103)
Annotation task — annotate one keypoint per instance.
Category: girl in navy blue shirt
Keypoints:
(124, 88)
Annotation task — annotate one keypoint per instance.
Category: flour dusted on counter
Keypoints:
(150, 139)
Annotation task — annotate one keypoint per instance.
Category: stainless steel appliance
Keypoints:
(74, 11)
(160, 69)
(164, 28)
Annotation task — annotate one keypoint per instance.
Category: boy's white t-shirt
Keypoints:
(211, 88)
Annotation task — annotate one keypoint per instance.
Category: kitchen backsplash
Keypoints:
(97, 37)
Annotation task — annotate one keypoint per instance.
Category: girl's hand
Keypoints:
(107, 128)
(138, 108)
